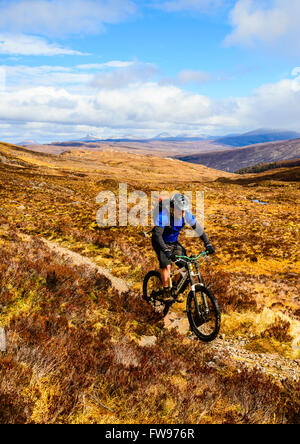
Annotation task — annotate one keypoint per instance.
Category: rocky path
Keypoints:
(225, 349)
(272, 364)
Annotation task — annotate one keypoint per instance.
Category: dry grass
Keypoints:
(74, 353)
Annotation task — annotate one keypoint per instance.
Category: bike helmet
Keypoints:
(180, 201)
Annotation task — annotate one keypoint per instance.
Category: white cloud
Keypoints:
(186, 77)
(2, 79)
(190, 76)
(122, 77)
(188, 5)
(22, 76)
(147, 106)
(296, 71)
(21, 44)
(111, 75)
(57, 17)
(270, 23)
(142, 108)
(112, 64)
(275, 105)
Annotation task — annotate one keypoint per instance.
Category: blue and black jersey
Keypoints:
(172, 227)
(167, 229)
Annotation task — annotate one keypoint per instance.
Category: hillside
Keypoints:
(15, 155)
(255, 137)
(124, 166)
(160, 148)
(110, 164)
(162, 143)
(288, 174)
(83, 346)
(23, 158)
(261, 167)
(238, 158)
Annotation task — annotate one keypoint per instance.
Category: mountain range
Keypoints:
(235, 140)
(258, 136)
(229, 153)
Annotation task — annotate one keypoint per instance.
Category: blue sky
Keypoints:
(140, 68)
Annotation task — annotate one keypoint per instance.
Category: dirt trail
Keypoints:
(224, 349)
(77, 259)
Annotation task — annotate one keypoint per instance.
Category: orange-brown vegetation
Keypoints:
(74, 342)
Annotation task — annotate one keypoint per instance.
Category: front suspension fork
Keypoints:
(193, 286)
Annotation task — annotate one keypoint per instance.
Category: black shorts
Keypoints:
(175, 248)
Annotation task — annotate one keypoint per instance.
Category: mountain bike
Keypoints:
(202, 307)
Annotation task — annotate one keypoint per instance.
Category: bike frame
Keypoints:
(190, 276)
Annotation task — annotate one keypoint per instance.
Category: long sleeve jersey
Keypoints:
(167, 229)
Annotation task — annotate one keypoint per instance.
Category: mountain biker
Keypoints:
(165, 237)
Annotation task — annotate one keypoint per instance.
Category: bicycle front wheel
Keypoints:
(203, 313)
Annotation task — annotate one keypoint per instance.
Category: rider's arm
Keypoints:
(199, 230)
(203, 236)
(192, 221)
(158, 238)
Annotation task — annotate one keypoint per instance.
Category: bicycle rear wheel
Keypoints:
(203, 314)
(153, 292)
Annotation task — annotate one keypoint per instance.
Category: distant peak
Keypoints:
(269, 131)
(27, 142)
(163, 136)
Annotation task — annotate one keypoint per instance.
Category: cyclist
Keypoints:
(165, 237)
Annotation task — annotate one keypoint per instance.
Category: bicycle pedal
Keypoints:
(179, 300)
(167, 298)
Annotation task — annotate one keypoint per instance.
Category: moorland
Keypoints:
(83, 349)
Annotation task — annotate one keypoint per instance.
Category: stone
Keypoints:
(182, 325)
(2, 340)
(170, 319)
(147, 341)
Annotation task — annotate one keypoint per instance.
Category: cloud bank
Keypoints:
(124, 76)
(271, 23)
(188, 5)
(19, 44)
(59, 18)
(143, 107)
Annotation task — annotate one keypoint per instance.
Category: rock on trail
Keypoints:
(2, 340)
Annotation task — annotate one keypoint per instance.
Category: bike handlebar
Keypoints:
(204, 253)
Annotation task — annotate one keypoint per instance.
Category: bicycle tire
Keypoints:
(147, 297)
(195, 319)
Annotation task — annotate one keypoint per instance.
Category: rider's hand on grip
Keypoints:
(210, 249)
